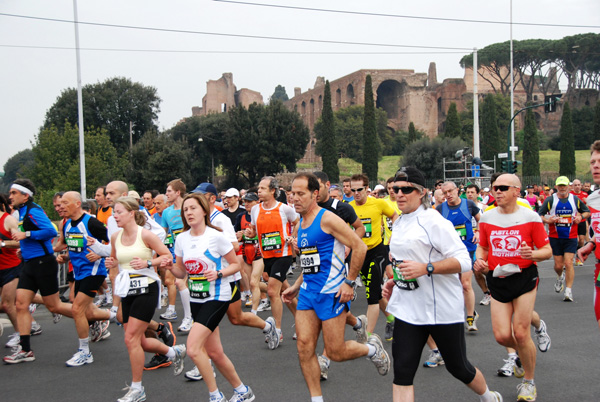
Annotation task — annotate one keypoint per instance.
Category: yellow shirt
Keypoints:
(387, 222)
(520, 201)
(371, 214)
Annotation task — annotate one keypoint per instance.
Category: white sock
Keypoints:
(487, 396)
(114, 309)
(267, 327)
(241, 389)
(171, 307)
(372, 350)
(185, 300)
(84, 344)
(113, 314)
(316, 398)
(255, 312)
(358, 324)
(136, 385)
(215, 394)
(171, 353)
(512, 356)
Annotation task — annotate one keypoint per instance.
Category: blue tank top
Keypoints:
(321, 258)
(461, 219)
(75, 238)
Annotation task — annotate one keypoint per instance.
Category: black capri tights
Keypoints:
(408, 344)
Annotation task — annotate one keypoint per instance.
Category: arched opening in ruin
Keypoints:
(338, 98)
(350, 99)
(303, 109)
(388, 97)
(321, 102)
(311, 113)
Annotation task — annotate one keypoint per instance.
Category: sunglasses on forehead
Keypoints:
(503, 188)
(405, 189)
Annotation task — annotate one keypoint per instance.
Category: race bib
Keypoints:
(368, 230)
(169, 241)
(462, 231)
(137, 285)
(564, 221)
(199, 287)
(310, 261)
(177, 233)
(270, 241)
(404, 284)
(74, 242)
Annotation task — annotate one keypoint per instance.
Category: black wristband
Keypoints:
(594, 243)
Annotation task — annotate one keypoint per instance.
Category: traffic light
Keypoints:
(550, 102)
(514, 165)
(507, 166)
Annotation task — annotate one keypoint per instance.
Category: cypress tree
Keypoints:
(370, 140)
(412, 133)
(490, 135)
(567, 144)
(328, 148)
(531, 147)
(453, 128)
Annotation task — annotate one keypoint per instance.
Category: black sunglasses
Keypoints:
(357, 190)
(503, 188)
(405, 190)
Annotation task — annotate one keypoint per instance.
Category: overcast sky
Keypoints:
(37, 56)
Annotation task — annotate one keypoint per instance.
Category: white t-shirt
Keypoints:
(201, 254)
(221, 221)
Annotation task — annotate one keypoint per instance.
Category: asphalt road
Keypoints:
(567, 372)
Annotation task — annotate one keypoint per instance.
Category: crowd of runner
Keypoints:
(412, 250)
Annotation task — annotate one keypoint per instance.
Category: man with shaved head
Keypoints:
(509, 236)
(89, 274)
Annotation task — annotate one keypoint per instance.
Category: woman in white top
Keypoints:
(132, 251)
(208, 257)
(425, 295)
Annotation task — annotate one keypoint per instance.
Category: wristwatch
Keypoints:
(219, 275)
(149, 262)
(28, 234)
(350, 283)
(430, 269)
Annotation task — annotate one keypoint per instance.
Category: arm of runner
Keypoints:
(177, 269)
(481, 264)
(233, 267)
(11, 225)
(587, 249)
(291, 292)
(59, 244)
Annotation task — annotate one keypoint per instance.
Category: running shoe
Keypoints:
(32, 307)
(435, 359)
(101, 302)
(543, 339)
(361, 333)
(497, 396)
(94, 331)
(487, 299)
(578, 262)
(389, 331)
(246, 396)
(568, 296)
(271, 334)
(166, 334)
(507, 369)
(36, 329)
(560, 283)
(164, 299)
(56, 318)
(472, 322)
(134, 395)
(220, 398)
(180, 353)
(248, 301)
(380, 359)
(169, 315)
(19, 356)
(157, 361)
(518, 369)
(109, 297)
(324, 366)
(104, 335)
(264, 306)
(194, 374)
(1, 328)
(359, 282)
(186, 325)
(100, 330)
(527, 392)
(13, 340)
(80, 358)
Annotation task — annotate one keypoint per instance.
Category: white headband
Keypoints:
(22, 189)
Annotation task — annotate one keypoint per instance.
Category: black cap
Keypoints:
(410, 174)
(250, 197)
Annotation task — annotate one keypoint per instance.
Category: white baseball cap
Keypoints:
(232, 192)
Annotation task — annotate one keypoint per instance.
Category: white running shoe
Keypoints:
(186, 325)
(543, 339)
(568, 295)
(271, 334)
(264, 306)
(80, 358)
(180, 352)
(361, 333)
(14, 340)
(380, 359)
(169, 315)
(560, 283)
(487, 299)
(134, 395)
(324, 366)
(194, 374)
(247, 396)
(507, 369)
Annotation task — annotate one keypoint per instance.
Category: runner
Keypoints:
(148, 200)
(160, 204)
(473, 194)
(39, 271)
(371, 212)
(104, 209)
(427, 256)
(505, 252)
(201, 253)
(323, 291)
(139, 286)
(347, 189)
(582, 228)
(563, 212)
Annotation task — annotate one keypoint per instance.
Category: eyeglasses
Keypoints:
(503, 188)
(357, 190)
(405, 190)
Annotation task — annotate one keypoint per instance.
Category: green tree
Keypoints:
(15, 167)
(583, 126)
(531, 147)
(370, 139)
(596, 133)
(279, 94)
(490, 142)
(158, 158)
(110, 105)
(56, 161)
(326, 140)
(427, 155)
(453, 128)
(567, 145)
(412, 133)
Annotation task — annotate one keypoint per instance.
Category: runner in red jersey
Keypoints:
(10, 263)
(506, 252)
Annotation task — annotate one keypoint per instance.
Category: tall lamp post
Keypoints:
(212, 163)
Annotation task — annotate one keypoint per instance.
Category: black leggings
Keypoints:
(408, 344)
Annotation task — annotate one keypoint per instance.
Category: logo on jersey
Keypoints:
(505, 243)
(195, 266)
(304, 242)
